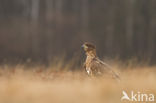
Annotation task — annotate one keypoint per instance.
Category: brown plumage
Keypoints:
(93, 65)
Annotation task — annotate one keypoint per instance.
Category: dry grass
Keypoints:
(39, 84)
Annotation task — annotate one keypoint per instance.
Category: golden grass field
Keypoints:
(56, 84)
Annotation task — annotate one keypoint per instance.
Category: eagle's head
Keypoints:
(89, 48)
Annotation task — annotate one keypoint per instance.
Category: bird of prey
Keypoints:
(93, 65)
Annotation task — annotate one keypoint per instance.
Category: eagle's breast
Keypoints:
(88, 68)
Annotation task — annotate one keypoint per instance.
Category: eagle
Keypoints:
(94, 66)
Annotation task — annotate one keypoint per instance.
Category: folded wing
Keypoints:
(101, 68)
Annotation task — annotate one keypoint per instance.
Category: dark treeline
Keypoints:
(43, 29)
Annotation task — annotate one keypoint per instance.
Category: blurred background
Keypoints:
(39, 30)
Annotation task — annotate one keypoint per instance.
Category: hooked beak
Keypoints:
(82, 46)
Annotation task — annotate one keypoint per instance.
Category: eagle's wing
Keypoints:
(103, 68)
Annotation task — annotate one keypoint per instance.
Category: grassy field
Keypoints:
(40, 84)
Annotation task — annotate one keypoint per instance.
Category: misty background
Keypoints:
(43, 29)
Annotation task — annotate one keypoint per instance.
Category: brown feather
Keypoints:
(94, 66)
